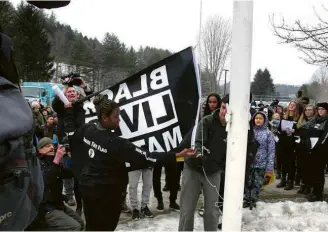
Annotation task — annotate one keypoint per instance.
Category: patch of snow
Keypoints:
(280, 216)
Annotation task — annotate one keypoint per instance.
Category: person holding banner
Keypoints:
(101, 160)
(204, 172)
(72, 96)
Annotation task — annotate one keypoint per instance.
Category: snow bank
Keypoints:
(287, 216)
(280, 216)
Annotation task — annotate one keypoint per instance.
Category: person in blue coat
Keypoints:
(263, 163)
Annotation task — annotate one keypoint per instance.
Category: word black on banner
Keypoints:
(159, 105)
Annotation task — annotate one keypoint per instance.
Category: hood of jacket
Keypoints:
(266, 121)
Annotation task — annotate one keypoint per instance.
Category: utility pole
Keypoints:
(225, 81)
(242, 31)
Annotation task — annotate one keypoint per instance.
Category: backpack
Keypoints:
(21, 182)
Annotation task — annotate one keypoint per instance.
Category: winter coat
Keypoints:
(315, 128)
(212, 135)
(79, 116)
(53, 175)
(264, 158)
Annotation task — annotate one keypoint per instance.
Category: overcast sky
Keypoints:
(174, 24)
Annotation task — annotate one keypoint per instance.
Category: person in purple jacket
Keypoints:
(263, 164)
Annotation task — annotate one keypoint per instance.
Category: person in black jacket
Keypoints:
(52, 210)
(101, 160)
(73, 94)
(314, 140)
(287, 145)
(79, 113)
(251, 152)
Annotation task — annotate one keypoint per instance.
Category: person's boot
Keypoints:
(125, 208)
(289, 185)
(302, 189)
(252, 205)
(315, 197)
(145, 212)
(71, 201)
(278, 176)
(174, 206)
(307, 190)
(246, 204)
(160, 206)
(282, 182)
(135, 215)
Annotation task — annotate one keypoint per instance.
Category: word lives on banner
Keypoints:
(158, 105)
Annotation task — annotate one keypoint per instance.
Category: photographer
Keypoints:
(52, 210)
(101, 160)
(78, 114)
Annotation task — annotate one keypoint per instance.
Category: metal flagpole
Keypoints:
(239, 105)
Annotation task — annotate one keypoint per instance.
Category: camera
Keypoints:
(65, 144)
(71, 79)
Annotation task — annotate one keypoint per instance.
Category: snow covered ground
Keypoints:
(280, 216)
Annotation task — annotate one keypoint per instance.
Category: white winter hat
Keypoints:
(35, 104)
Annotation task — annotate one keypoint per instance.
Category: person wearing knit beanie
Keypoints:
(44, 142)
(323, 105)
(55, 169)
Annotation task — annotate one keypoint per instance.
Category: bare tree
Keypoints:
(320, 77)
(311, 40)
(215, 46)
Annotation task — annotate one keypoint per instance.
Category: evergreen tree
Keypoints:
(263, 83)
(34, 61)
(113, 50)
(40, 40)
(81, 53)
(131, 60)
(7, 12)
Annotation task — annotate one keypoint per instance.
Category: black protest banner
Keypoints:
(158, 105)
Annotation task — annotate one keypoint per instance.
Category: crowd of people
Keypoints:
(51, 149)
(53, 124)
(288, 143)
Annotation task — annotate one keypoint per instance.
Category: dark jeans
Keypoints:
(180, 166)
(278, 158)
(102, 206)
(172, 181)
(317, 165)
(288, 162)
(302, 159)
